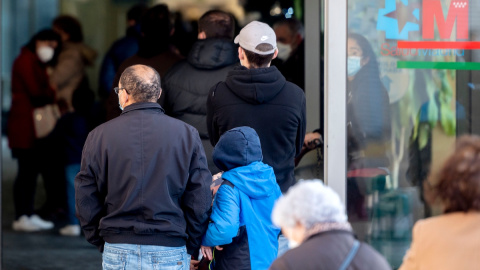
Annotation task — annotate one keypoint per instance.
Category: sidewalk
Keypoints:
(40, 250)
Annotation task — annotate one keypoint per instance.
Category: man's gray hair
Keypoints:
(309, 202)
(142, 83)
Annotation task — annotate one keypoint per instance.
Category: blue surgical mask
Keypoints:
(353, 65)
(120, 105)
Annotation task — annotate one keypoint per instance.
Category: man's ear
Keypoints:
(202, 35)
(160, 94)
(241, 53)
(275, 54)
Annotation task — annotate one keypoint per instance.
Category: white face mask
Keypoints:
(284, 51)
(353, 65)
(45, 53)
(293, 244)
(120, 105)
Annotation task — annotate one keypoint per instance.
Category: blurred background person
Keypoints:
(313, 219)
(69, 73)
(291, 50)
(31, 89)
(72, 131)
(121, 50)
(451, 240)
(187, 84)
(154, 50)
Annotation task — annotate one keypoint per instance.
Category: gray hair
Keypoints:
(309, 202)
(142, 83)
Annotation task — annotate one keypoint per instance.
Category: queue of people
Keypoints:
(139, 186)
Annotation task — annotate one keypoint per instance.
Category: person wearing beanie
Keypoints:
(241, 228)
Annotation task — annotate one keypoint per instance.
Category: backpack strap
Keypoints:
(350, 255)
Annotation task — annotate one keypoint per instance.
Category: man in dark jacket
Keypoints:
(154, 49)
(187, 84)
(258, 96)
(144, 183)
(122, 49)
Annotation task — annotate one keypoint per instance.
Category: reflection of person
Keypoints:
(31, 89)
(187, 84)
(291, 50)
(154, 50)
(69, 73)
(144, 184)
(122, 49)
(313, 219)
(451, 240)
(243, 205)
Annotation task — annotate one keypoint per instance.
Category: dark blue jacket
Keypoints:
(121, 50)
(243, 205)
(144, 180)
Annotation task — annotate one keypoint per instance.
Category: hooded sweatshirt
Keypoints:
(240, 220)
(262, 99)
(187, 84)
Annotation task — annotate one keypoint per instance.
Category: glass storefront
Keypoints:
(411, 87)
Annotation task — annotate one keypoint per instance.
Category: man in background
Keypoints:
(187, 84)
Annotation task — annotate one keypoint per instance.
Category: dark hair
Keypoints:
(260, 60)
(217, 24)
(155, 25)
(136, 12)
(367, 51)
(46, 35)
(294, 25)
(70, 26)
(142, 82)
(459, 179)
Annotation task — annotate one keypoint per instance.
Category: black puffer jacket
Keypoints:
(187, 84)
(263, 100)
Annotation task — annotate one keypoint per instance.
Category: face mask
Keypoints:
(353, 65)
(284, 51)
(293, 244)
(45, 53)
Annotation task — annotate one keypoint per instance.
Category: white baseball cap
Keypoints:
(254, 34)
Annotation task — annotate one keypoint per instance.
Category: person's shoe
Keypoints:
(43, 224)
(70, 230)
(24, 224)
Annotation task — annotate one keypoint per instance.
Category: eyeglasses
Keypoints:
(117, 89)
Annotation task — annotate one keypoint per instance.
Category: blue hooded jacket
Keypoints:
(243, 205)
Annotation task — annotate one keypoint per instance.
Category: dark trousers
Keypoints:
(45, 159)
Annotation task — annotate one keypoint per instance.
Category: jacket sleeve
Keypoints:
(225, 218)
(213, 132)
(410, 258)
(301, 128)
(69, 65)
(89, 199)
(197, 199)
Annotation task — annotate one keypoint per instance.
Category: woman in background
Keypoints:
(451, 240)
(31, 89)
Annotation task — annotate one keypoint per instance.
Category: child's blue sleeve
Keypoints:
(225, 218)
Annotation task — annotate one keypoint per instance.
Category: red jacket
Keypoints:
(30, 89)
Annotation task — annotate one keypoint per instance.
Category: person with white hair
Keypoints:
(313, 219)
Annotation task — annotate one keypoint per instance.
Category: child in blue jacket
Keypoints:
(241, 228)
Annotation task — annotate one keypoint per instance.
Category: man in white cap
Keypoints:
(257, 95)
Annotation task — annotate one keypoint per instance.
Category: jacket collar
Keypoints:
(142, 106)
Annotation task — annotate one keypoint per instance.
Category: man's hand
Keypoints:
(194, 264)
(206, 252)
(310, 137)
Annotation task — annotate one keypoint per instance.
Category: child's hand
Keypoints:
(207, 252)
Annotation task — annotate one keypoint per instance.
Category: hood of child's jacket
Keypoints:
(257, 85)
(257, 180)
(213, 53)
(236, 148)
